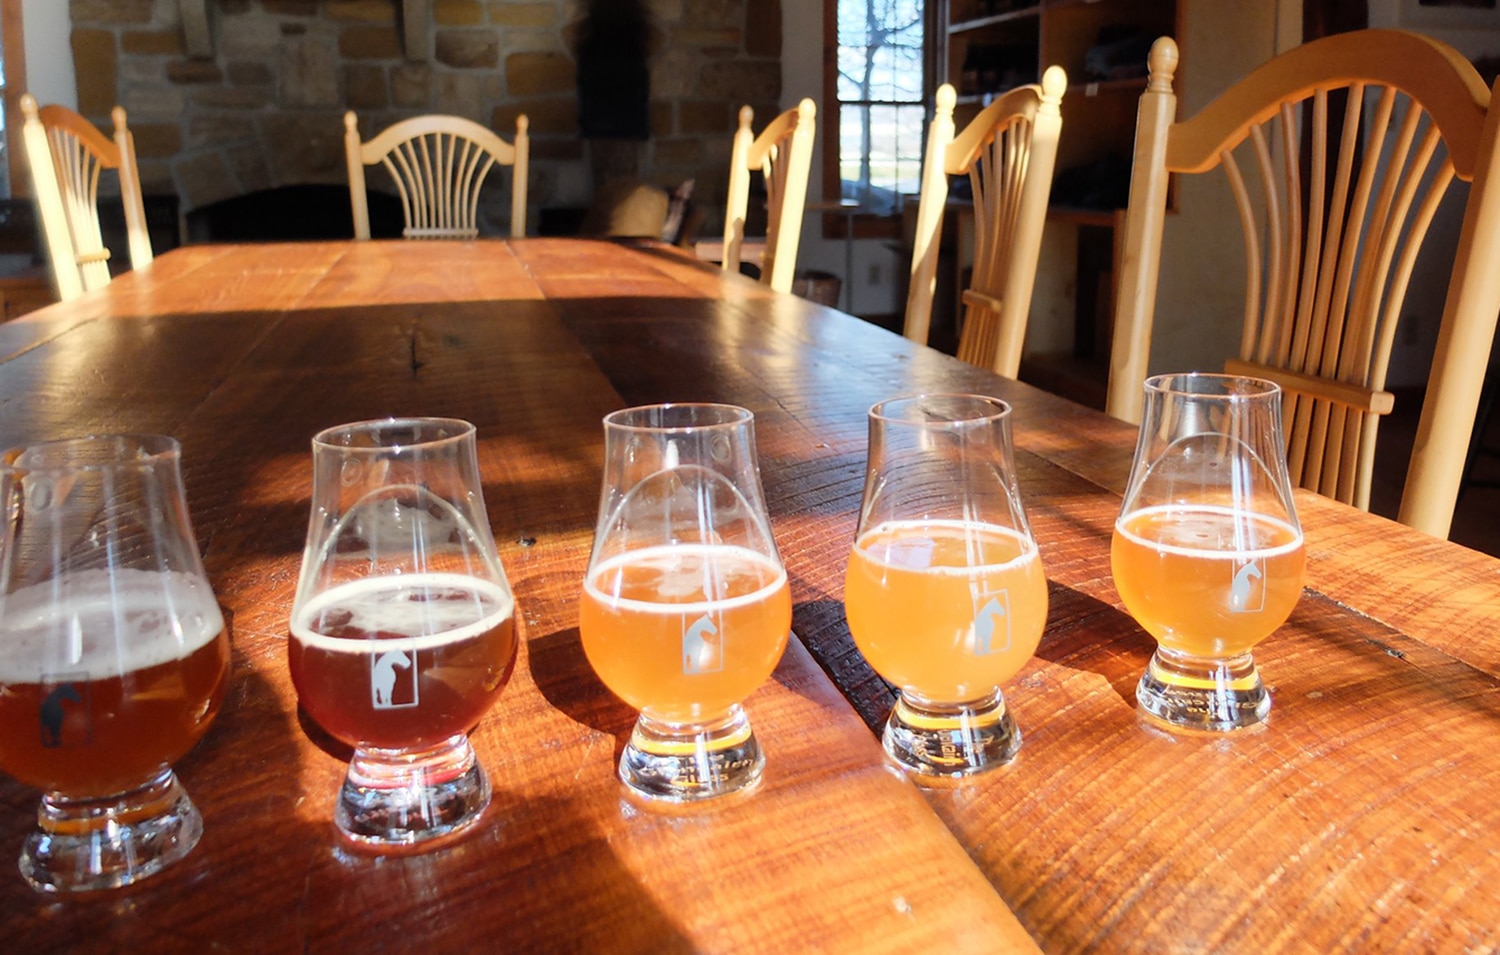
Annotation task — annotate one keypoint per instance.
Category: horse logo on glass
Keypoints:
(393, 680)
(1247, 591)
(702, 646)
(65, 693)
(991, 625)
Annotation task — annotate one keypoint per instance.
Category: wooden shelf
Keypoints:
(980, 23)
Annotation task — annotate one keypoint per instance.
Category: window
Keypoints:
(879, 101)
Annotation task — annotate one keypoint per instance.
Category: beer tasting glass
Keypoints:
(945, 593)
(685, 606)
(113, 655)
(1207, 553)
(403, 627)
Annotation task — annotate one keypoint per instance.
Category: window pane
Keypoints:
(880, 154)
(881, 100)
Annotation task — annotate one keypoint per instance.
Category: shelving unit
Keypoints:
(985, 47)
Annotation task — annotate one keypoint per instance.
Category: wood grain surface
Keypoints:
(1359, 818)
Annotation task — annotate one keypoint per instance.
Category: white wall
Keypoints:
(49, 52)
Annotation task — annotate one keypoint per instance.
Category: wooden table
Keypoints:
(1360, 818)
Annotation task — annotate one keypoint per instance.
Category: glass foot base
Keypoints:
(88, 844)
(688, 762)
(1195, 693)
(960, 739)
(396, 798)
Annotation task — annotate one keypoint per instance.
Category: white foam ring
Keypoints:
(102, 623)
(402, 606)
(685, 569)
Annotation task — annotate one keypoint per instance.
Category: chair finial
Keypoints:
(29, 108)
(351, 122)
(947, 98)
(1162, 63)
(747, 116)
(1054, 85)
(117, 115)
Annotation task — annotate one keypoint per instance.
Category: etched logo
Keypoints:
(393, 680)
(65, 717)
(991, 625)
(702, 646)
(1247, 592)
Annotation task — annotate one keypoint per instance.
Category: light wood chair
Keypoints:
(65, 154)
(783, 154)
(1331, 237)
(1008, 152)
(438, 164)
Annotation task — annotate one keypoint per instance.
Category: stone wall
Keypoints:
(266, 109)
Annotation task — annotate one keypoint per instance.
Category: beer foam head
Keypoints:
(428, 609)
(99, 623)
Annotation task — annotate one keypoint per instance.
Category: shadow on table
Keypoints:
(1085, 633)
(562, 672)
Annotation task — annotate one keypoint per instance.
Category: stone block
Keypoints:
(365, 11)
(194, 72)
(551, 116)
(152, 43)
(714, 12)
(467, 49)
(95, 68)
(156, 177)
(231, 97)
(309, 74)
(203, 179)
(248, 160)
(290, 8)
(523, 14)
(309, 146)
(457, 13)
(533, 74)
(411, 86)
(556, 149)
(370, 43)
(763, 28)
(662, 117)
(205, 129)
(708, 38)
(249, 73)
(674, 72)
(109, 12)
(156, 140)
(164, 103)
(710, 117)
(365, 86)
(742, 80)
(677, 152)
(138, 70)
(249, 38)
(459, 95)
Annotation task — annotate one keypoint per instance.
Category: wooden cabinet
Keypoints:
(984, 47)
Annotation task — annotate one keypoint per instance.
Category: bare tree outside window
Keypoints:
(881, 96)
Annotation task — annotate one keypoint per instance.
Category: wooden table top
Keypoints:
(1359, 818)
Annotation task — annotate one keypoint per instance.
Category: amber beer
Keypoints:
(1205, 581)
(685, 632)
(403, 662)
(946, 610)
(103, 715)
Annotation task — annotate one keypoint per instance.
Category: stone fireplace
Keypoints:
(258, 102)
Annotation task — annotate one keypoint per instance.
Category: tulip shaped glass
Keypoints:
(1207, 552)
(945, 592)
(685, 605)
(403, 628)
(113, 655)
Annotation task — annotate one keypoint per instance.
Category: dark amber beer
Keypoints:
(101, 692)
(403, 662)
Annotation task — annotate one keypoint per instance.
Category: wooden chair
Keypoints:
(438, 164)
(1331, 237)
(1008, 152)
(783, 153)
(65, 154)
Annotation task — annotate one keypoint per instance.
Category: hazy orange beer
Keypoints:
(403, 662)
(946, 610)
(1204, 581)
(110, 715)
(685, 633)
